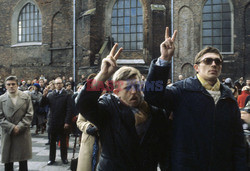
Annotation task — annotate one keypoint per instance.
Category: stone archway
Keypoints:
(187, 70)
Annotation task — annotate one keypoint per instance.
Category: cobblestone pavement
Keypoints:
(40, 155)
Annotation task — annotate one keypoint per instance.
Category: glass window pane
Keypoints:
(216, 40)
(133, 45)
(133, 3)
(127, 3)
(139, 37)
(207, 40)
(207, 9)
(114, 13)
(208, 2)
(133, 20)
(226, 16)
(139, 11)
(120, 29)
(133, 37)
(217, 46)
(216, 8)
(207, 33)
(138, 4)
(217, 16)
(217, 24)
(120, 21)
(226, 24)
(139, 28)
(120, 37)
(133, 28)
(216, 32)
(127, 45)
(127, 12)
(133, 11)
(139, 20)
(114, 29)
(126, 20)
(120, 4)
(127, 37)
(139, 45)
(216, 1)
(114, 37)
(226, 40)
(226, 8)
(207, 17)
(120, 12)
(207, 25)
(126, 29)
(226, 32)
(226, 48)
(114, 21)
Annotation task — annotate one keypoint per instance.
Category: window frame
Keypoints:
(124, 21)
(212, 29)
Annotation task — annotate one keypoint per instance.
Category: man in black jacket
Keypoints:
(60, 104)
(133, 134)
(207, 130)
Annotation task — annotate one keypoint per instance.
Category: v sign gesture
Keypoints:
(167, 47)
(108, 66)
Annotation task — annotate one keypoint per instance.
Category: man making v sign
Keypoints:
(207, 131)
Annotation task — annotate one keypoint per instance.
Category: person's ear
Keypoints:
(196, 67)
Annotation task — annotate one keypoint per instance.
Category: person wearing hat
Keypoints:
(39, 112)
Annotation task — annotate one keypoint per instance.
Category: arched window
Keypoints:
(29, 24)
(127, 24)
(217, 25)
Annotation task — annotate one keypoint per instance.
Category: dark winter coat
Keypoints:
(60, 109)
(205, 136)
(121, 148)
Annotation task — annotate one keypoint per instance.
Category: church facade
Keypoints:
(70, 37)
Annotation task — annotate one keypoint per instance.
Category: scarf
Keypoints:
(204, 83)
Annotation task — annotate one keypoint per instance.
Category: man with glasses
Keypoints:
(16, 112)
(60, 116)
(207, 131)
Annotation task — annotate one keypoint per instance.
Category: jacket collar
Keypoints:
(21, 99)
(193, 84)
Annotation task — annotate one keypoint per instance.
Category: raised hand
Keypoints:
(167, 47)
(108, 66)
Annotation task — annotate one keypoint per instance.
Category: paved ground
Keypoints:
(41, 155)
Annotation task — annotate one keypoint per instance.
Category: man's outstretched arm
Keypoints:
(154, 89)
(87, 101)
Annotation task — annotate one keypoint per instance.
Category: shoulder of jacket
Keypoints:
(23, 95)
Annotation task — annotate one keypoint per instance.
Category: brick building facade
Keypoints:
(51, 52)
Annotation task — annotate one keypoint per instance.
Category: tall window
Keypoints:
(217, 25)
(29, 24)
(127, 24)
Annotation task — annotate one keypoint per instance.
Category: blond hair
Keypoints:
(125, 73)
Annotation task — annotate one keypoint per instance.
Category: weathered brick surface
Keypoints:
(55, 58)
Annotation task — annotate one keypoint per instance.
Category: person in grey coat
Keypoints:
(16, 112)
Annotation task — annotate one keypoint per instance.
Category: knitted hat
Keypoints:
(37, 85)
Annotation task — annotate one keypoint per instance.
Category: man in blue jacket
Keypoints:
(207, 131)
(133, 134)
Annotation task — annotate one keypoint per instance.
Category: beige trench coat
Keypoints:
(16, 147)
(86, 148)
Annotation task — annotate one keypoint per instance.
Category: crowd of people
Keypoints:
(195, 123)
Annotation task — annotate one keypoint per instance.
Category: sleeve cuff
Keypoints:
(161, 62)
